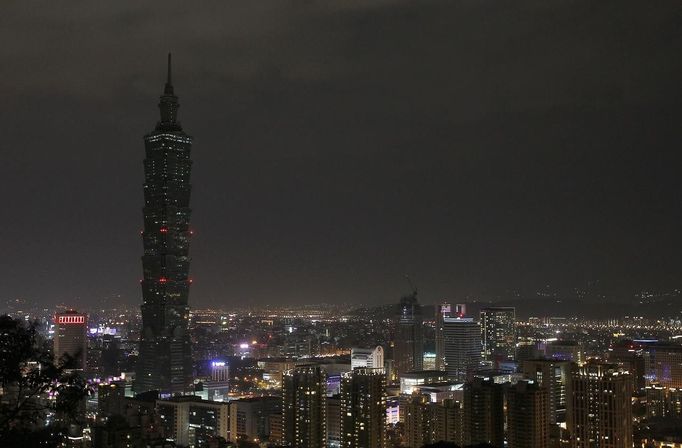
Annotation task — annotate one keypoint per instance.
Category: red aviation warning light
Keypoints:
(163, 280)
(190, 281)
(163, 230)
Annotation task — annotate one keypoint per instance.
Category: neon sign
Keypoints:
(71, 319)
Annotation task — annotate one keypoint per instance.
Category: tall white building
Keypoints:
(367, 358)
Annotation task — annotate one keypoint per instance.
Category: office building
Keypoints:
(528, 423)
(599, 410)
(165, 362)
(367, 358)
(462, 347)
(663, 364)
(498, 331)
(274, 368)
(429, 362)
(410, 382)
(304, 408)
(408, 351)
(484, 412)
(564, 351)
(363, 409)
(217, 387)
(70, 339)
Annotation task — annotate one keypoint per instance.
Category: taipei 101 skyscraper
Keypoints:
(165, 362)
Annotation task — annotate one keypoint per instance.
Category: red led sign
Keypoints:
(71, 319)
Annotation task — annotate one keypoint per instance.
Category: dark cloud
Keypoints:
(479, 145)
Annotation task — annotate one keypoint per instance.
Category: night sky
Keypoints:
(477, 145)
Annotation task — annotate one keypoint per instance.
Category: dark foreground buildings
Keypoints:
(164, 361)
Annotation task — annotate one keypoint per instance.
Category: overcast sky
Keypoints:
(476, 145)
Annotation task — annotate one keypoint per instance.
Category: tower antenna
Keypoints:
(409, 282)
(168, 90)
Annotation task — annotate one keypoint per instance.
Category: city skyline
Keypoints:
(165, 348)
(327, 174)
(374, 224)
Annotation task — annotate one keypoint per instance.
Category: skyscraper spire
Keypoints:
(165, 356)
(169, 105)
(168, 90)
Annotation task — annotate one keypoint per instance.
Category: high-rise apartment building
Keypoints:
(70, 339)
(528, 423)
(554, 377)
(334, 421)
(164, 361)
(419, 420)
(254, 419)
(630, 355)
(663, 401)
(461, 347)
(599, 413)
(442, 311)
(484, 412)
(449, 422)
(498, 330)
(408, 352)
(190, 421)
(363, 409)
(426, 422)
(304, 408)
(367, 358)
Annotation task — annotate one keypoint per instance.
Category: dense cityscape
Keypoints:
(588, 364)
(462, 373)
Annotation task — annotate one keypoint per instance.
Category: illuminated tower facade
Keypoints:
(599, 410)
(304, 396)
(363, 409)
(461, 347)
(484, 412)
(165, 361)
(498, 331)
(70, 342)
(527, 416)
